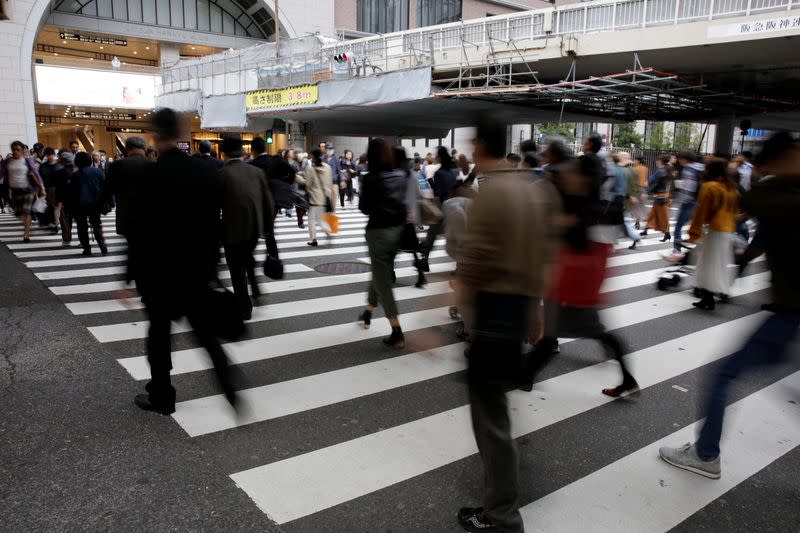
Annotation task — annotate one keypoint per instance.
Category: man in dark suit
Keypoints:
(246, 216)
(280, 178)
(207, 157)
(177, 235)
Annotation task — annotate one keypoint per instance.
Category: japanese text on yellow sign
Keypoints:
(269, 98)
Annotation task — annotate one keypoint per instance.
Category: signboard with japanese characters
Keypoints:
(272, 98)
(751, 27)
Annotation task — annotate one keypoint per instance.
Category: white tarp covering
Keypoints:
(224, 112)
(184, 101)
(400, 86)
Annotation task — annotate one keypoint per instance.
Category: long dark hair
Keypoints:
(400, 158)
(379, 156)
(445, 157)
(316, 157)
(717, 170)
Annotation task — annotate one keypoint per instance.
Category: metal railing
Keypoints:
(256, 67)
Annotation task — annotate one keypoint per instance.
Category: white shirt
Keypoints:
(18, 174)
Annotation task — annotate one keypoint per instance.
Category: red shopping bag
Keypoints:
(579, 276)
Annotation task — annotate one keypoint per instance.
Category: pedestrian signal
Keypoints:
(268, 137)
(344, 57)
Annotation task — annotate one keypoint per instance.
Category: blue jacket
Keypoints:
(86, 186)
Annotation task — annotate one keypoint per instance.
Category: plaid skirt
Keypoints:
(22, 201)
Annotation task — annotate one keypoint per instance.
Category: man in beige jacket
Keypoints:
(502, 272)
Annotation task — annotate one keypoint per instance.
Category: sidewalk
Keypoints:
(75, 454)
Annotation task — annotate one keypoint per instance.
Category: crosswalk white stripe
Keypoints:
(138, 330)
(304, 484)
(213, 413)
(248, 351)
(195, 359)
(642, 493)
(110, 271)
(104, 306)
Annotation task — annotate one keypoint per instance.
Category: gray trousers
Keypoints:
(498, 452)
(383, 244)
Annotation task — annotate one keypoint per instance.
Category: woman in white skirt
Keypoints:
(713, 223)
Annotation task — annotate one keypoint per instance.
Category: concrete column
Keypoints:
(723, 136)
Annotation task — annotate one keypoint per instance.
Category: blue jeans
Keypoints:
(684, 215)
(767, 346)
(632, 233)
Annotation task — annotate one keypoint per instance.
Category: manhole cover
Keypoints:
(347, 267)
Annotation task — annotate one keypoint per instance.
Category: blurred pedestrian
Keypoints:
(383, 200)
(712, 225)
(24, 183)
(502, 273)
(62, 180)
(84, 207)
(247, 209)
(175, 276)
(320, 189)
(659, 189)
(687, 188)
(444, 180)
(775, 201)
(347, 175)
(48, 171)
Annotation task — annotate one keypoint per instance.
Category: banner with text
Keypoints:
(273, 98)
(755, 26)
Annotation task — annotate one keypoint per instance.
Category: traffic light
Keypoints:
(344, 57)
(268, 137)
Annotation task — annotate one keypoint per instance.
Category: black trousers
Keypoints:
(347, 191)
(241, 265)
(159, 348)
(272, 244)
(83, 218)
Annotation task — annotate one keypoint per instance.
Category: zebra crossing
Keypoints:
(340, 433)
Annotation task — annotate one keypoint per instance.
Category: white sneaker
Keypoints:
(686, 458)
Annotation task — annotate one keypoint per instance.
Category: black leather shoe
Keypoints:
(143, 401)
(396, 339)
(666, 238)
(366, 318)
(473, 519)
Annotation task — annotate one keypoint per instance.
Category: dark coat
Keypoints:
(84, 189)
(280, 177)
(444, 180)
(246, 203)
(121, 186)
(178, 231)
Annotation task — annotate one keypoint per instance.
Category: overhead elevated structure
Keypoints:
(611, 60)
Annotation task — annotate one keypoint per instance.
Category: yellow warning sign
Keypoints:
(291, 96)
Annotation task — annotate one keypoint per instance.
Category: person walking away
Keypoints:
(24, 184)
(347, 173)
(291, 160)
(205, 154)
(643, 174)
(279, 175)
(330, 159)
(383, 200)
(48, 171)
(775, 201)
(444, 180)
(172, 273)
(629, 191)
(319, 186)
(660, 181)
(86, 185)
(455, 213)
(410, 241)
(247, 214)
(571, 308)
(716, 208)
(502, 271)
(688, 186)
(63, 177)
(122, 185)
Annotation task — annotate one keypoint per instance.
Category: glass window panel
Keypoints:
(135, 10)
(120, 9)
(176, 10)
(227, 24)
(103, 8)
(230, 7)
(431, 12)
(202, 15)
(216, 18)
(162, 12)
(381, 16)
(189, 14)
(149, 11)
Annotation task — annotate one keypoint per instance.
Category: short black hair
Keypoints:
(688, 155)
(595, 141)
(747, 154)
(493, 135)
(258, 145)
(73, 141)
(134, 142)
(49, 151)
(775, 147)
(204, 147)
(166, 124)
(527, 146)
(83, 160)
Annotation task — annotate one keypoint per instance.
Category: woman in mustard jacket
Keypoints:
(712, 225)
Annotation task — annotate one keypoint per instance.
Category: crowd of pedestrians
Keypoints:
(530, 233)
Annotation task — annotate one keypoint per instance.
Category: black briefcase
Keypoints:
(226, 318)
